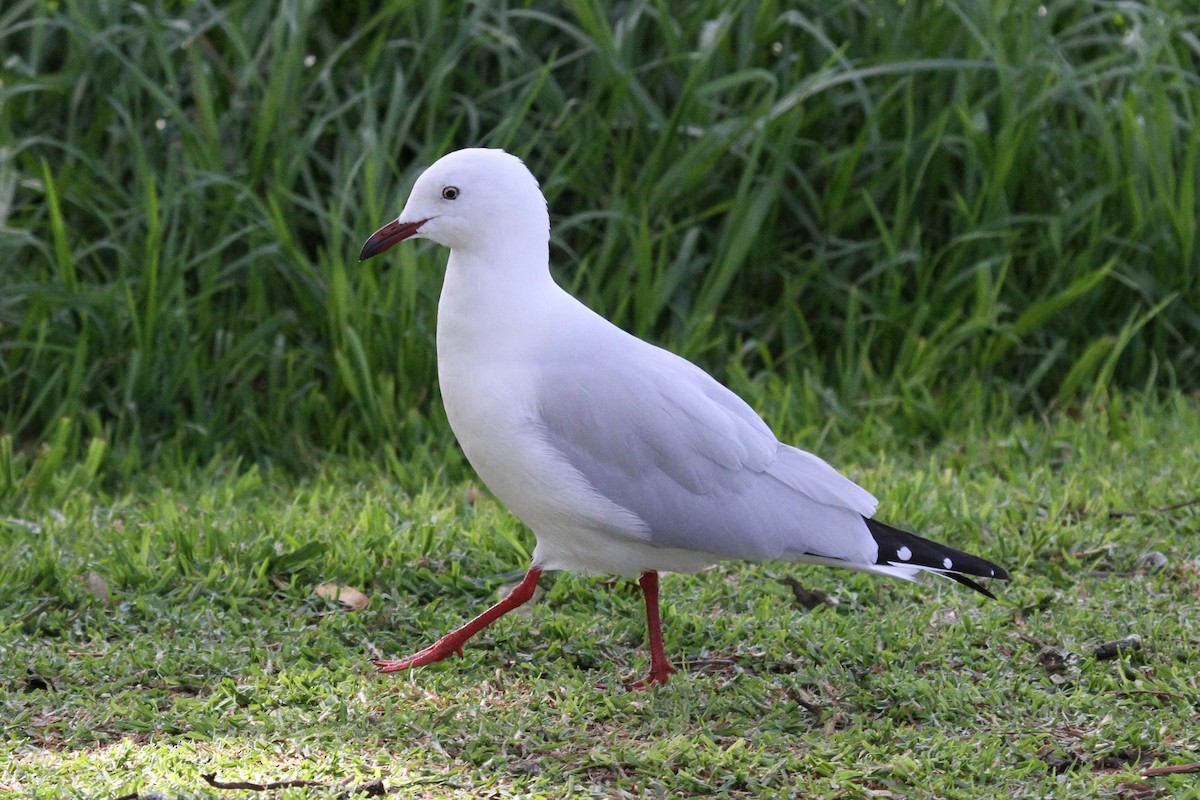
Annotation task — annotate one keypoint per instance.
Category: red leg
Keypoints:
(660, 668)
(453, 642)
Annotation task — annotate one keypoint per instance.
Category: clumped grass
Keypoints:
(156, 634)
(881, 205)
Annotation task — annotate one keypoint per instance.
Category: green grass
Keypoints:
(210, 653)
(874, 203)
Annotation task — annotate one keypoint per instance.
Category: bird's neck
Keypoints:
(485, 299)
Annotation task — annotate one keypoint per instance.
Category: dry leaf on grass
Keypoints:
(346, 595)
(97, 588)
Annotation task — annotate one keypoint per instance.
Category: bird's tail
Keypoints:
(906, 553)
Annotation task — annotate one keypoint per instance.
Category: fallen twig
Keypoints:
(1162, 510)
(809, 598)
(211, 777)
(1108, 650)
(1175, 769)
(371, 788)
(1159, 693)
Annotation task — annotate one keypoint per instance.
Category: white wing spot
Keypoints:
(904, 554)
(948, 563)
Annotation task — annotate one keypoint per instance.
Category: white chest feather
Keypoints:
(489, 385)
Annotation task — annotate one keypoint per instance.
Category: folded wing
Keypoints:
(658, 436)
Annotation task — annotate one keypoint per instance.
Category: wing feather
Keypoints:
(661, 438)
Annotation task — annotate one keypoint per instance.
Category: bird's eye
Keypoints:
(450, 193)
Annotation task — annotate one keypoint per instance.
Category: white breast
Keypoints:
(489, 388)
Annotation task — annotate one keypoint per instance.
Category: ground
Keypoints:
(170, 630)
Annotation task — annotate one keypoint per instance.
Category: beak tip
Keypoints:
(387, 236)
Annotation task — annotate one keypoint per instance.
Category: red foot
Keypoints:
(660, 669)
(438, 651)
(453, 642)
(659, 673)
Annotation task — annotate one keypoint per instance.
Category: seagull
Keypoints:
(622, 457)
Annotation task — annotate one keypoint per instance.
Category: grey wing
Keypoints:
(658, 436)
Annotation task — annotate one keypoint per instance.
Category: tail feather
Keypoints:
(899, 548)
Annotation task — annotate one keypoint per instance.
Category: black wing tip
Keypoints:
(970, 584)
(900, 547)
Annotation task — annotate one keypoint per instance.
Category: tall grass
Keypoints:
(930, 208)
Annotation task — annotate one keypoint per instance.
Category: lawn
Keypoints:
(951, 247)
(171, 630)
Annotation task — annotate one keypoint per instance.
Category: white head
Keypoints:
(470, 200)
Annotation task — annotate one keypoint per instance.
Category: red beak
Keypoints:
(388, 235)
